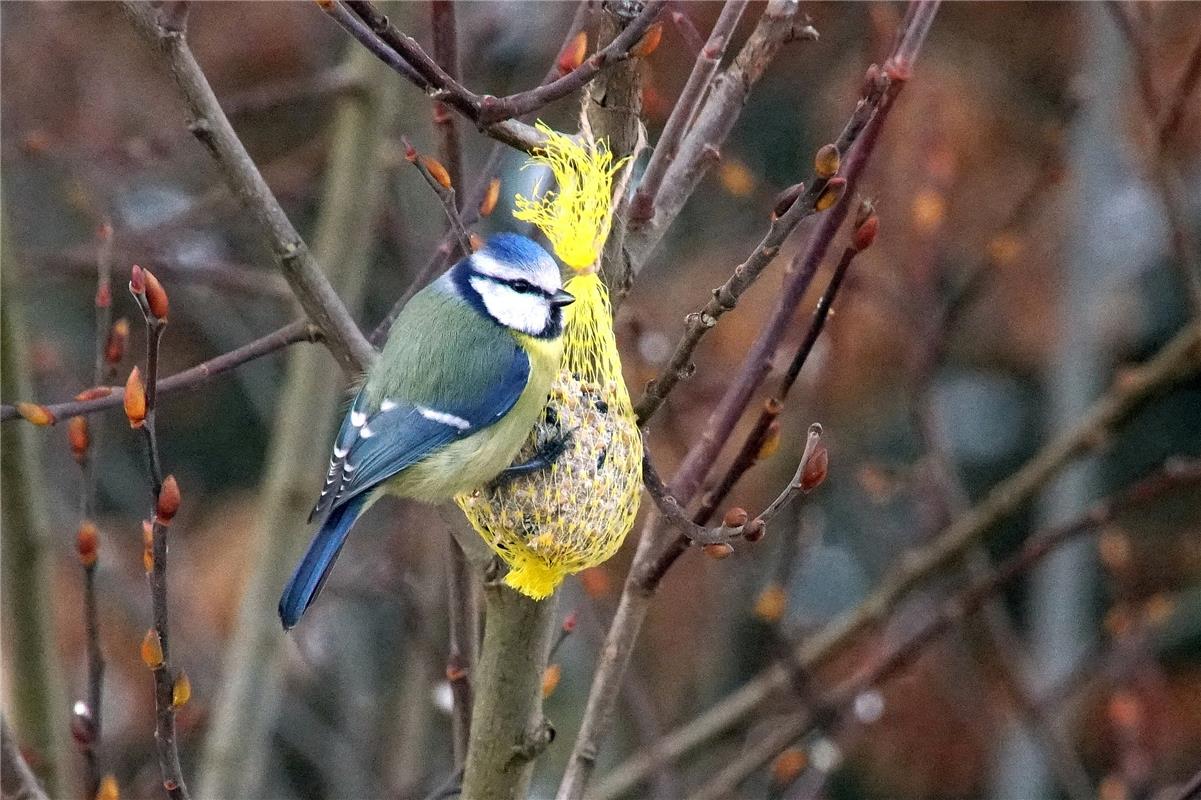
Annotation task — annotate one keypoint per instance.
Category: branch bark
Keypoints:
(507, 728)
(210, 125)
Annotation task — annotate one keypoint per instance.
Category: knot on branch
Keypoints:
(533, 742)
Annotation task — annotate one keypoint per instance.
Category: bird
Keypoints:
(575, 512)
(458, 387)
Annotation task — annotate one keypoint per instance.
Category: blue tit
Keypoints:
(460, 383)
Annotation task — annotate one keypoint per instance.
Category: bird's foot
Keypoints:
(548, 452)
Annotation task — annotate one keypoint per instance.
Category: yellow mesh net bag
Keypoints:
(576, 513)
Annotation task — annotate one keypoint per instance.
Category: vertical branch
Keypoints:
(84, 445)
(236, 747)
(141, 410)
(35, 688)
(17, 781)
(507, 728)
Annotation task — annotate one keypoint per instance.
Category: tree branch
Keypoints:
(210, 125)
(1178, 360)
(17, 780)
(104, 397)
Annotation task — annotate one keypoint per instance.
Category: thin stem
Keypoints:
(446, 196)
(293, 333)
(16, 778)
(164, 677)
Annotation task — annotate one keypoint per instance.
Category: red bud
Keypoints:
(815, 469)
(168, 501)
(135, 399)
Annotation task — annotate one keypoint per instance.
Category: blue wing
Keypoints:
(374, 445)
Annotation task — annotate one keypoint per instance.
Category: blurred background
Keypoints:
(1025, 257)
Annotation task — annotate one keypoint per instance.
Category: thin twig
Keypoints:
(469, 210)
(210, 125)
(652, 559)
(164, 677)
(1176, 361)
(699, 80)
(1173, 476)
(86, 454)
(725, 298)
(737, 526)
(112, 396)
(330, 83)
(446, 196)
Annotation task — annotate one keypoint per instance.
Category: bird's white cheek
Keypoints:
(527, 313)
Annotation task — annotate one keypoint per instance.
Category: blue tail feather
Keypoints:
(310, 576)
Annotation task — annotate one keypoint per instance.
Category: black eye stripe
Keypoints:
(524, 286)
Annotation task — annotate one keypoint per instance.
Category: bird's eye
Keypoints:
(521, 285)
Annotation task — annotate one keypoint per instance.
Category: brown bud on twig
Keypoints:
(718, 550)
(865, 232)
(569, 622)
(36, 414)
(156, 296)
(475, 241)
(573, 53)
(491, 195)
(550, 679)
(735, 518)
(831, 194)
(754, 530)
(787, 766)
(104, 296)
(168, 501)
(108, 788)
(827, 161)
(181, 690)
(815, 469)
(135, 399)
(771, 603)
(437, 171)
(152, 649)
(95, 393)
(118, 337)
(649, 41)
(137, 280)
(77, 436)
(785, 199)
(87, 543)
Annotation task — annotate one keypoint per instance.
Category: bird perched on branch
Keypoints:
(576, 512)
(460, 383)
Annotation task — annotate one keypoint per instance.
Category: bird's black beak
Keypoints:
(561, 298)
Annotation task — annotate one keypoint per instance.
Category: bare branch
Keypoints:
(210, 125)
(16, 778)
(112, 396)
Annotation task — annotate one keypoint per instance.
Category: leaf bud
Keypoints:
(865, 233)
(104, 296)
(137, 280)
(831, 194)
(718, 550)
(87, 543)
(78, 437)
(788, 765)
(436, 171)
(475, 241)
(488, 204)
(181, 690)
(827, 161)
(550, 679)
(135, 399)
(168, 501)
(569, 622)
(108, 788)
(118, 338)
(573, 53)
(152, 649)
(95, 393)
(815, 469)
(771, 603)
(156, 296)
(735, 518)
(36, 414)
(649, 41)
